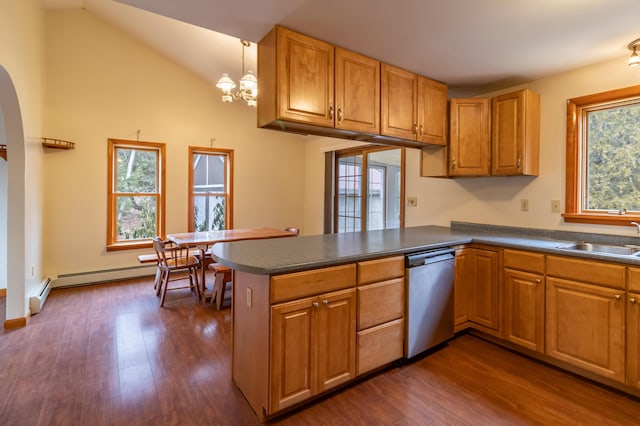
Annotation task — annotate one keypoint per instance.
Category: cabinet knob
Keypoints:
(421, 130)
(617, 297)
(325, 302)
(632, 300)
(415, 128)
(538, 280)
(339, 114)
(315, 304)
(519, 162)
(330, 112)
(453, 164)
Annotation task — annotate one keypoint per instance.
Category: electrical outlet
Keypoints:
(412, 201)
(249, 297)
(555, 206)
(524, 205)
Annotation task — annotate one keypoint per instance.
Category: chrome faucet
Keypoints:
(637, 225)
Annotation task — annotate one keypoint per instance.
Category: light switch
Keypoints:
(555, 206)
(524, 205)
(412, 201)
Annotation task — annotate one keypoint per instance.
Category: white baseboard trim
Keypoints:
(94, 277)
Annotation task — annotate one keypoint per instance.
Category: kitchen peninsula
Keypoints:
(298, 304)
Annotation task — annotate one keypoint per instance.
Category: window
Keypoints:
(378, 192)
(135, 207)
(210, 189)
(603, 158)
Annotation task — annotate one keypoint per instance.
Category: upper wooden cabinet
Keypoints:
(489, 137)
(413, 107)
(357, 94)
(306, 83)
(515, 134)
(309, 86)
(296, 75)
(469, 139)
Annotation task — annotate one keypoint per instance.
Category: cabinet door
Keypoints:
(336, 350)
(432, 111)
(398, 103)
(633, 340)
(469, 137)
(585, 326)
(292, 353)
(305, 78)
(515, 133)
(357, 80)
(483, 309)
(461, 292)
(524, 309)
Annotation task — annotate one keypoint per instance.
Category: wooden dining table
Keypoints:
(205, 239)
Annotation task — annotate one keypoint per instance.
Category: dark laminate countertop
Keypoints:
(276, 256)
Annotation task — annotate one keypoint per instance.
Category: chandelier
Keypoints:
(634, 60)
(248, 90)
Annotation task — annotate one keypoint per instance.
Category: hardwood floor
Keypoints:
(108, 354)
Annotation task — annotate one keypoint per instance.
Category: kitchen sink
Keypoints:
(603, 248)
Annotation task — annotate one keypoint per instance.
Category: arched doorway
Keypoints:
(15, 216)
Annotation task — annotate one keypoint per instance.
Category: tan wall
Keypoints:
(21, 56)
(103, 83)
(494, 200)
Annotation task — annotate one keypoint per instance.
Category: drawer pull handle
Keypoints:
(325, 302)
(617, 297)
(315, 305)
(632, 300)
(538, 280)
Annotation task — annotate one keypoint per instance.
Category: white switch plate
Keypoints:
(412, 201)
(555, 206)
(524, 205)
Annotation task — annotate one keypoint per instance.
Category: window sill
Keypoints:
(601, 219)
(130, 245)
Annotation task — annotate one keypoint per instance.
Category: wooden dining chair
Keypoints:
(172, 261)
(222, 275)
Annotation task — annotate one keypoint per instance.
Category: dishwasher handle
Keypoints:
(428, 257)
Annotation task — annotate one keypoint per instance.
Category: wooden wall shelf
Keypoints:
(57, 144)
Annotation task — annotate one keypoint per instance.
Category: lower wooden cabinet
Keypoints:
(312, 347)
(380, 345)
(461, 292)
(484, 280)
(524, 309)
(585, 326)
(380, 314)
(633, 340)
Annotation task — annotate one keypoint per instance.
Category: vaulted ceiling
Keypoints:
(475, 46)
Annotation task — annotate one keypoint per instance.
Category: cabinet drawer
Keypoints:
(380, 345)
(309, 283)
(524, 261)
(634, 279)
(589, 271)
(380, 302)
(380, 270)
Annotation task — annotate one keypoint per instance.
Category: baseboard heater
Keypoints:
(95, 277)
(37, 300)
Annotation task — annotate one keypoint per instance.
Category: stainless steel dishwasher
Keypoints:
(429, 299)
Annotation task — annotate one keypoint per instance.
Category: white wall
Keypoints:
(103, 83)
(494, 200)
(21, 97)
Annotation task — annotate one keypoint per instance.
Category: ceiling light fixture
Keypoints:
(248, 90)
(634, 59)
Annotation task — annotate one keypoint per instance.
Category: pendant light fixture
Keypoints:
(248, 90)
(634, 59)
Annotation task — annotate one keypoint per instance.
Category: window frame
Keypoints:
(228, 213)
(112, 243)
(365, 151)
(576, 108)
